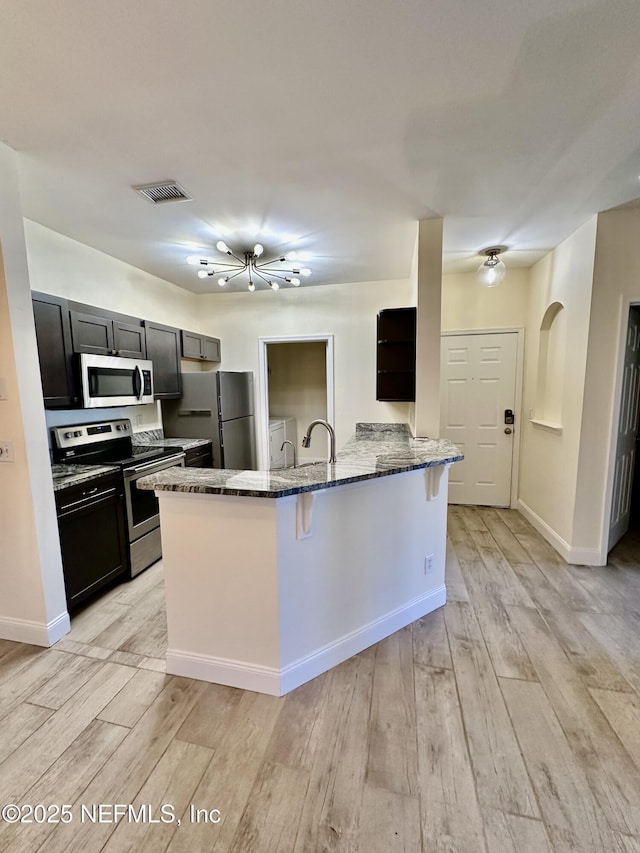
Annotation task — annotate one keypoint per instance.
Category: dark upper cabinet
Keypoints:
(200, 346)
(55, 351)
(211, 349)
(191, 345)
(163, 348)
(104, 334)
(129, 339)
(396, 355)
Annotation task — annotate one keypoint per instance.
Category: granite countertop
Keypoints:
(376, 450)
(65, 476)
(183, 443)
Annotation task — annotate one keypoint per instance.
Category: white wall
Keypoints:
(425, 414)
(64, 267)
(346, 311)
(32, 601)
(467, 305)
(298, 388)
(549, 458)
(616, 283)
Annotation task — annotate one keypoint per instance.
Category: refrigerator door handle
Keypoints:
(194, 413)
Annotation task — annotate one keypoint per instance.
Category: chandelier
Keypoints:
(249, 263)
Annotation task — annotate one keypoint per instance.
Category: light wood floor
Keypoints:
(507, 721)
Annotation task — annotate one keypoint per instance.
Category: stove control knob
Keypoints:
(78, 433)
(68, 435)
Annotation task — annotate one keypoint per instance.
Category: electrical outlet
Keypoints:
(6, 451)
(428, 564)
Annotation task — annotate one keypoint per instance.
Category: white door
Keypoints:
(627, 432)
(478, 385)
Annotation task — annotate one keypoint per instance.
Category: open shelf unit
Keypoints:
(396, 355)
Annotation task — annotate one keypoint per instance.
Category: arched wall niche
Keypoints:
(551, 361)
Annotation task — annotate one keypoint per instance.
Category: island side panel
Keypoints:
(219, 556)
(360, 576)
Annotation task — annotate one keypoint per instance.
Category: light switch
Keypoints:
(3, 389)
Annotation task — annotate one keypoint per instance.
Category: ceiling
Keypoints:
(329, 127)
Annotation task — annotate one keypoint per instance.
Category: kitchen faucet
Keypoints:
(306, 441)
(293, 447)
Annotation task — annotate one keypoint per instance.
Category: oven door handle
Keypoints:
(159, 464)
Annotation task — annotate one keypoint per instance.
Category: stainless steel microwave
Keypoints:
(112, 381)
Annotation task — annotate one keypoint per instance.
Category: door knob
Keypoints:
(508, 430)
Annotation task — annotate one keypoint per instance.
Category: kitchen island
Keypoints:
(273, 577)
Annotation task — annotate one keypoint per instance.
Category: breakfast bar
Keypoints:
(273, 577)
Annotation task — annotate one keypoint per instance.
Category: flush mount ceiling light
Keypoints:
(248, 263)
(492, 271)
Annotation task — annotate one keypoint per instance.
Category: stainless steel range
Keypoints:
(111, 443)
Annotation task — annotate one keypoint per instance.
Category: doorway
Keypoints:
(480, 399)
(625, 497)
(295, 386)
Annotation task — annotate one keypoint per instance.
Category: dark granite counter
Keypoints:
(65, 476)
(183, 443)
(376, 450)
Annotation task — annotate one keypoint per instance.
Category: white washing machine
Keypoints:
(280, 430)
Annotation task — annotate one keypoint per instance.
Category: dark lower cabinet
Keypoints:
(163, 348)
(55, 350)
(93, 541)
(199, 457)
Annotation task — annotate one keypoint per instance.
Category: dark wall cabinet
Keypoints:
(55, 351)
(199, 457)
(102, 335)
(93, 542)
(200, 346)
(65, 328)
(396, 355)
(163, 348)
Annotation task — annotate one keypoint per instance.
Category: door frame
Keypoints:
(517, 435)
(263, 384)
(626, 304)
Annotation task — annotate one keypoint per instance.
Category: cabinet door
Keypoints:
(91, 333)
(200, 346)
(211, 349)
(199, 457)
(191, 345)
(163, 348)
(93, 546)
(129, 340)
(55, 351)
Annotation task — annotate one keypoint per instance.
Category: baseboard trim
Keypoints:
(576, 556)
(332, 654)
(277, 682)
(35, 633)
(233, 673)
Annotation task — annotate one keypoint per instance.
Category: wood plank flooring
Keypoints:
(506, 722)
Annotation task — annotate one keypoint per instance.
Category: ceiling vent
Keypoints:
(163, 192)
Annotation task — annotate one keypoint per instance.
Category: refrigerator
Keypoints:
(216, 405)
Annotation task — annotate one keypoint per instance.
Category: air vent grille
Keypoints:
(163, 192)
